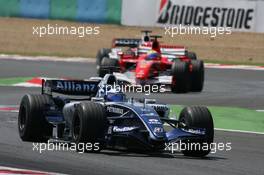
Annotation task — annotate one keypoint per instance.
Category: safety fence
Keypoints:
(99, 11)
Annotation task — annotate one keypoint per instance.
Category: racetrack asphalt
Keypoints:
(238, 88)
(223, 87)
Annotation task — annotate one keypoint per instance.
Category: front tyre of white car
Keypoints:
(89, 125)
(198, 117)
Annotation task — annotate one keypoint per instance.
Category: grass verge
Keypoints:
(17, 38)
(12, 81)
(233, 118)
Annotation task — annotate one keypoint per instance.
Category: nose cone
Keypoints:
(159, 132)
(141, 74)
(142, 69)
(155, 125)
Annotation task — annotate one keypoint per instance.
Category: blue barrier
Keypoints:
(96, 11)
(92, 11)
(34, 8)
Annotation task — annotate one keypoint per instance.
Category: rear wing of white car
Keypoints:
(70, 87)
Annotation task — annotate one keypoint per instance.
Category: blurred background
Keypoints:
(125, 18)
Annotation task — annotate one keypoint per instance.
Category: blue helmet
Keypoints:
(112, 95)
(115, 97)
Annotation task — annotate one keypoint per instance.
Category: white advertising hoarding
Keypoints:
(139, 12)
(241, 15)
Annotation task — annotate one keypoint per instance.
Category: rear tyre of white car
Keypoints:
(32, 124)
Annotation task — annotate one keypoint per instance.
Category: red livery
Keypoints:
(146, 61)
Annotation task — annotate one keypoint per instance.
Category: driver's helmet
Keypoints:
(146, 38)
(115, 96)
(153, 55)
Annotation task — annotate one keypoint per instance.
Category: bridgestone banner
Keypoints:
(240, 15)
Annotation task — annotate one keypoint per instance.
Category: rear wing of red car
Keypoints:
(70, 87)
(125, 42)
(166, 50)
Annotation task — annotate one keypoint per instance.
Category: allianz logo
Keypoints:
(74, 86)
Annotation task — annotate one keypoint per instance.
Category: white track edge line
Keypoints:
(239, 131)
(233, 130)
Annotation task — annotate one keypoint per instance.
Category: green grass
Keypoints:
(11, 81)
(233, 118)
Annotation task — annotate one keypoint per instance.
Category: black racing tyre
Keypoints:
(197, 75)
(32, 124)
(198, 117)
(108, 65)
(180, 77)
(89, 125)
(191, 55)
(100, 55)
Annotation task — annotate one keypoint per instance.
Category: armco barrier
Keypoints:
(98, 11)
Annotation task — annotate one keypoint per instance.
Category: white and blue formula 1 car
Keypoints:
(109, 119)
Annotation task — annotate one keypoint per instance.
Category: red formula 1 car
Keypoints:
(147, 62)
